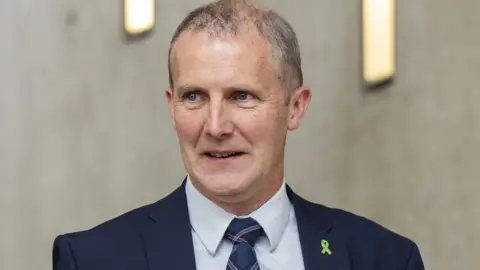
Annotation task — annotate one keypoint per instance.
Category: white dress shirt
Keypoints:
(279, 250)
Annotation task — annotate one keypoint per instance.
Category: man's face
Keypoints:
(228, 109)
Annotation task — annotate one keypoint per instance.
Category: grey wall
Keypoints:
(85, 134)
(415, 150)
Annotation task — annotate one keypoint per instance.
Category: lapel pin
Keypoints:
(325, 249)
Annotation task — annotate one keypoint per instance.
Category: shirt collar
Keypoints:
(273, 216)
(209, 221)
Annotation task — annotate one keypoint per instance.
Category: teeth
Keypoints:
(222, 155)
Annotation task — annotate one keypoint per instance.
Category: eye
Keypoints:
(243, 96)
(192, 96)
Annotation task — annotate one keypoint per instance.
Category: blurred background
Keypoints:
(85, 133)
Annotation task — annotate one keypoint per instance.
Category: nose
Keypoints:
(218, 124)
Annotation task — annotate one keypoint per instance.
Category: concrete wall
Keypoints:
(414, 155)
(85, 134)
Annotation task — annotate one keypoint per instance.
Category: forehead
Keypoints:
(198, 55)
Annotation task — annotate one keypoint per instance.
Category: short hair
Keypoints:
(227, 17)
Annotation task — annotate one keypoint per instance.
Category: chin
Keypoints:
(224, 184)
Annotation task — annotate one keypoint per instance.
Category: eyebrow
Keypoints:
(189, 88)
(241, 88)
(236, 88)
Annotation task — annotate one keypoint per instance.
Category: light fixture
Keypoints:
(378, 40)
(139, 16)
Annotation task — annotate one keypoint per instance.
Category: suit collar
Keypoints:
(315, 224)
(168, 239)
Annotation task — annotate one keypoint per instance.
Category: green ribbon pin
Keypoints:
(325, 247)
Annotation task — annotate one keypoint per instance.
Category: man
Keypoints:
(236, 89)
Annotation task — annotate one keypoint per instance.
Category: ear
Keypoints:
(298, 106)
(170, 100)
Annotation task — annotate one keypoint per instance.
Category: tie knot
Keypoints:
(245, 230)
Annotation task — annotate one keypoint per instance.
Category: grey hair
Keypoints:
(226, 17)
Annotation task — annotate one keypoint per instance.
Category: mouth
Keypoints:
(224, 155)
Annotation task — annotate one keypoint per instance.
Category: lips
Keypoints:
(223, 154)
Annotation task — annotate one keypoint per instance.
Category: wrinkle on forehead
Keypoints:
(204, 47)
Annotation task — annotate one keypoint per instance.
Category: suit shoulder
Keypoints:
(365, 237)
(116, 230)
(365, 228)
(127, 224)
(368, 241)
(115, 242)
(97, 248)
(134, 218)
(353, 224)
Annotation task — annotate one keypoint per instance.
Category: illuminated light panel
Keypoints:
(378, 40)
(139, 16)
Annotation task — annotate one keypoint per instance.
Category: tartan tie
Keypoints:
(243, 233)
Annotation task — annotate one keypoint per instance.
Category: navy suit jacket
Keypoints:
(158, 237)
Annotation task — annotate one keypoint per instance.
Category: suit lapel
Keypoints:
(168, 240)
(315, 224)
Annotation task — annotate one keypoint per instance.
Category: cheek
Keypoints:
(188, 125)
(262, 127)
